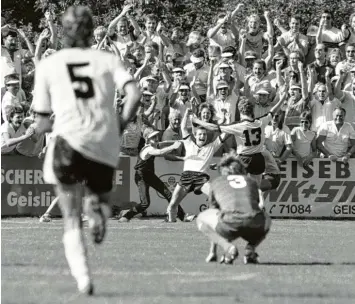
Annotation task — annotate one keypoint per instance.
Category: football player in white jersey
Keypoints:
(80, 91)
(196, 163)
(250, 137)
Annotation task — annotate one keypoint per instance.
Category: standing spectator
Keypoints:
(224, 33)
(153, 31)
(321, 63)
(347, 98)
(335, 137)
(197, 68)
(31, 147)
(347, 65)
(304, 140)
(173, 133)
(13, 131)
(293, 40)
(14, 95)
(328, 34)
(322, 106)
(312, 42)
(131, 136)
(12, 56)
(277, 138)
(254, 36)
(124, 37)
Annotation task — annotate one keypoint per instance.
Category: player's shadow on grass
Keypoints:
(305, 263)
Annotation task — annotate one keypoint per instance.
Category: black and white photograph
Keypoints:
(177, 151)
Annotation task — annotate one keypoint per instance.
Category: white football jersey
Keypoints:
(249, 134)
(78, 85)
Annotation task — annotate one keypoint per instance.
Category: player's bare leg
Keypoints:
(98, 211)
(70, 201)
(212, 256)
(178, 195)
(250, 255)
(46, 217)
(206, 223)
(258, 179)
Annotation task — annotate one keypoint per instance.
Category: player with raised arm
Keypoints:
(86, 140)
(250, 137)
(196, 162)
(233, 212)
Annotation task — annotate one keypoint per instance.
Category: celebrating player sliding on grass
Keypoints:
(234, 212)
(86, 144)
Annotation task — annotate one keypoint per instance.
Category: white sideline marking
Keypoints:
(48, 226)
(211, 278)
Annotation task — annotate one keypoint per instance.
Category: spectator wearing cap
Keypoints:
(181, 100)
(321, 63)
(348, 64)
(14, 96)
(293, 40)
(346, 97)
(224, 103)
(336, 136)
(223, 72)
(254, 36)
(179, 76)
(13, 131)
(248, 60)
(224, 33)
(120, 25)
(322, 106)
(328, 34)
(230, 56)
(12, 56)
(304, 140)
(263, 100)
(278, 139)
(312, 42)
(197, 68)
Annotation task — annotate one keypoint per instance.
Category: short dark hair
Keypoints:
(198, 53)
(10, 33)
(306, 115)
(208, 106)
(230, 164)
(260, 61)
(341, 109)
(12, 110)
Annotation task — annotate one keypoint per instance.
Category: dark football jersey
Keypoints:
(235, 193)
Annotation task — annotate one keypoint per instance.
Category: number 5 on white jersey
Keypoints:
(237, 181)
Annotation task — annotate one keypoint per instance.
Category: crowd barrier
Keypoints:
(323, 190)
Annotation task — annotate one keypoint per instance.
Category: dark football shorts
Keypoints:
(232, 225)
(274, 179)
(70, 167)
(193, 181)
(254, 163)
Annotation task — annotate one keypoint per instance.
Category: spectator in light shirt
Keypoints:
(335, 137)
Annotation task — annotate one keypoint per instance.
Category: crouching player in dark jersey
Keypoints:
(234, 212)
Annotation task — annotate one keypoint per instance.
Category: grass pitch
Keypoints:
(148, 261)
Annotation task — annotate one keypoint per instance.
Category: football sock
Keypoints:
(52, 205)
(75, 252)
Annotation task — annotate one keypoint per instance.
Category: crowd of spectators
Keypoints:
(206, 76)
